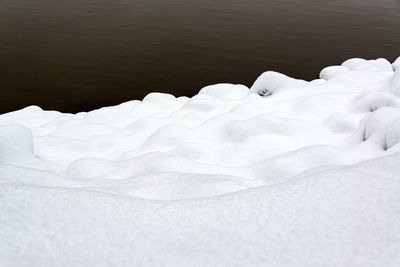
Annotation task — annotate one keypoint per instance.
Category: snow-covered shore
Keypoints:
(286, 173)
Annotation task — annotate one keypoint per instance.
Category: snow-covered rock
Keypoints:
(270, 82)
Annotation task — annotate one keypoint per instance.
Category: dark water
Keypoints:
(75, 55)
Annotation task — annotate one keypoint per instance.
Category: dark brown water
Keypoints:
(75, 55)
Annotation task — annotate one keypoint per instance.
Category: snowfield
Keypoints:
(286, 173)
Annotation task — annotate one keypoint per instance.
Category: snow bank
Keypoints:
(286, 173)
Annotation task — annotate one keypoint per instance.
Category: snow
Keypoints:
(396, 64)
(285, 173)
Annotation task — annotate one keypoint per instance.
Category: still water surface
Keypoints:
(75, 55)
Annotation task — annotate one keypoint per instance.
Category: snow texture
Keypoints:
(286, 173)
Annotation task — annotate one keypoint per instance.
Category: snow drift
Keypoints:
(286, 173)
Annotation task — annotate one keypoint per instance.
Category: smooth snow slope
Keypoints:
(286, 173)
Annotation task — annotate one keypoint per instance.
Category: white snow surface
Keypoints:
(308, 174)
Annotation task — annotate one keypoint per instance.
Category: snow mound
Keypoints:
(396, 64)
(270, 82)
(286, 173)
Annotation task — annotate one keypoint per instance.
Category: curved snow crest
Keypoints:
(286, 173)
(267, 134)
